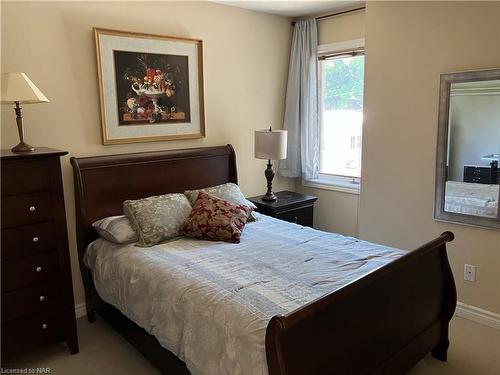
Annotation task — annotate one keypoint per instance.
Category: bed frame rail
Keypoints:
(382, 323)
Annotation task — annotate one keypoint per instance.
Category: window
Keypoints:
(340, 86)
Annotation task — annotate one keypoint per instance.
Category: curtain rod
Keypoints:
(336, 14)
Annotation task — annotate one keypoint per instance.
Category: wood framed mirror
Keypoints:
(468, 147)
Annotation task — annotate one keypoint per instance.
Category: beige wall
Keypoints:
(334, 211)
(407, 46)
(337, 211)
(245, 69)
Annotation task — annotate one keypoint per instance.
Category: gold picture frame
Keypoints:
(150, 87)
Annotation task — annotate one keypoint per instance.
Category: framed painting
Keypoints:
(150, 87)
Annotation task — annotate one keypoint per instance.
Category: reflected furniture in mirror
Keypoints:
(468, 146)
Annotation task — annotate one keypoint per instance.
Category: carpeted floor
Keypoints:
(474, 350)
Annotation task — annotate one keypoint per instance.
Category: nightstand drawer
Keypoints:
(25, 176)
(301, 216)
(30, 300)
(26, 209)
(27, 240)
(22, 334)
(26, 271)
(289, 206)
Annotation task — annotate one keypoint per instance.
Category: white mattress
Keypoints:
(471, 199)
(209, 303)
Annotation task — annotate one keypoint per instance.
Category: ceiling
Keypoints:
(292, 8)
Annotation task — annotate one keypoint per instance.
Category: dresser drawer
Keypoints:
(30, 300)
(26, 209)
(27, 240)
(22, 334)
(25, 176)
(302, 216)
(21, 272)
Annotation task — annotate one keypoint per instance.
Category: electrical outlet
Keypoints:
(470, 272)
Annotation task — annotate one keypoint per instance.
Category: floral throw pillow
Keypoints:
(215, 219)
(158, 218)
(229, 192)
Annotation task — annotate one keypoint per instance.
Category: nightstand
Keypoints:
(290, 206)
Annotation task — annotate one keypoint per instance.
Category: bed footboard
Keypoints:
(382, 323)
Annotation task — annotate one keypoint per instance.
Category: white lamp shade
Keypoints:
(270, 145)
(17, 87)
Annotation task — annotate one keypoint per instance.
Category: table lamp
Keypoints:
(270, 145)
(17, 88)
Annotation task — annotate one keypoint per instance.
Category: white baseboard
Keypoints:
(478, 315)
(80, 310)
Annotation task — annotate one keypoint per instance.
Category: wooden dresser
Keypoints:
(482, 175)
(37, 292)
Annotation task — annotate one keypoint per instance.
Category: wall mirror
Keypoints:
(468, 146)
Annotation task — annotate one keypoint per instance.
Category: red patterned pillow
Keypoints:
(215, 219)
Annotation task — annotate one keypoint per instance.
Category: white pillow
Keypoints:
(250, 204)
(116, 229)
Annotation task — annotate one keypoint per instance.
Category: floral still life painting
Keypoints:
(150, 87)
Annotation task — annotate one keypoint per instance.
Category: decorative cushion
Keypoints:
(215, 219)
(229, 192)
(116, 229)
(158, 218)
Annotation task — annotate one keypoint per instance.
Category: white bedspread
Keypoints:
(209, 303)
(471, 199)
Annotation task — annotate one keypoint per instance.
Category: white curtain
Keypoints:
(301, 105)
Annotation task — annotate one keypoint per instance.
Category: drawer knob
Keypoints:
(42, 298)
(35, 239)
(45, 326)
(32, 208)
(39, 269)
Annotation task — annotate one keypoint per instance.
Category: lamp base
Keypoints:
(23, 147)
(269, 197)
(269, 173)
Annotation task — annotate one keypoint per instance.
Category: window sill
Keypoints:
(333, 185)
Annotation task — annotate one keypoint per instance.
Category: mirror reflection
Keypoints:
(472, 173)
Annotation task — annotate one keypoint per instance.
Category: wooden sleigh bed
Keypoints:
(381, 323)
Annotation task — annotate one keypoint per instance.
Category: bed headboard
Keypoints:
(102, 183)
